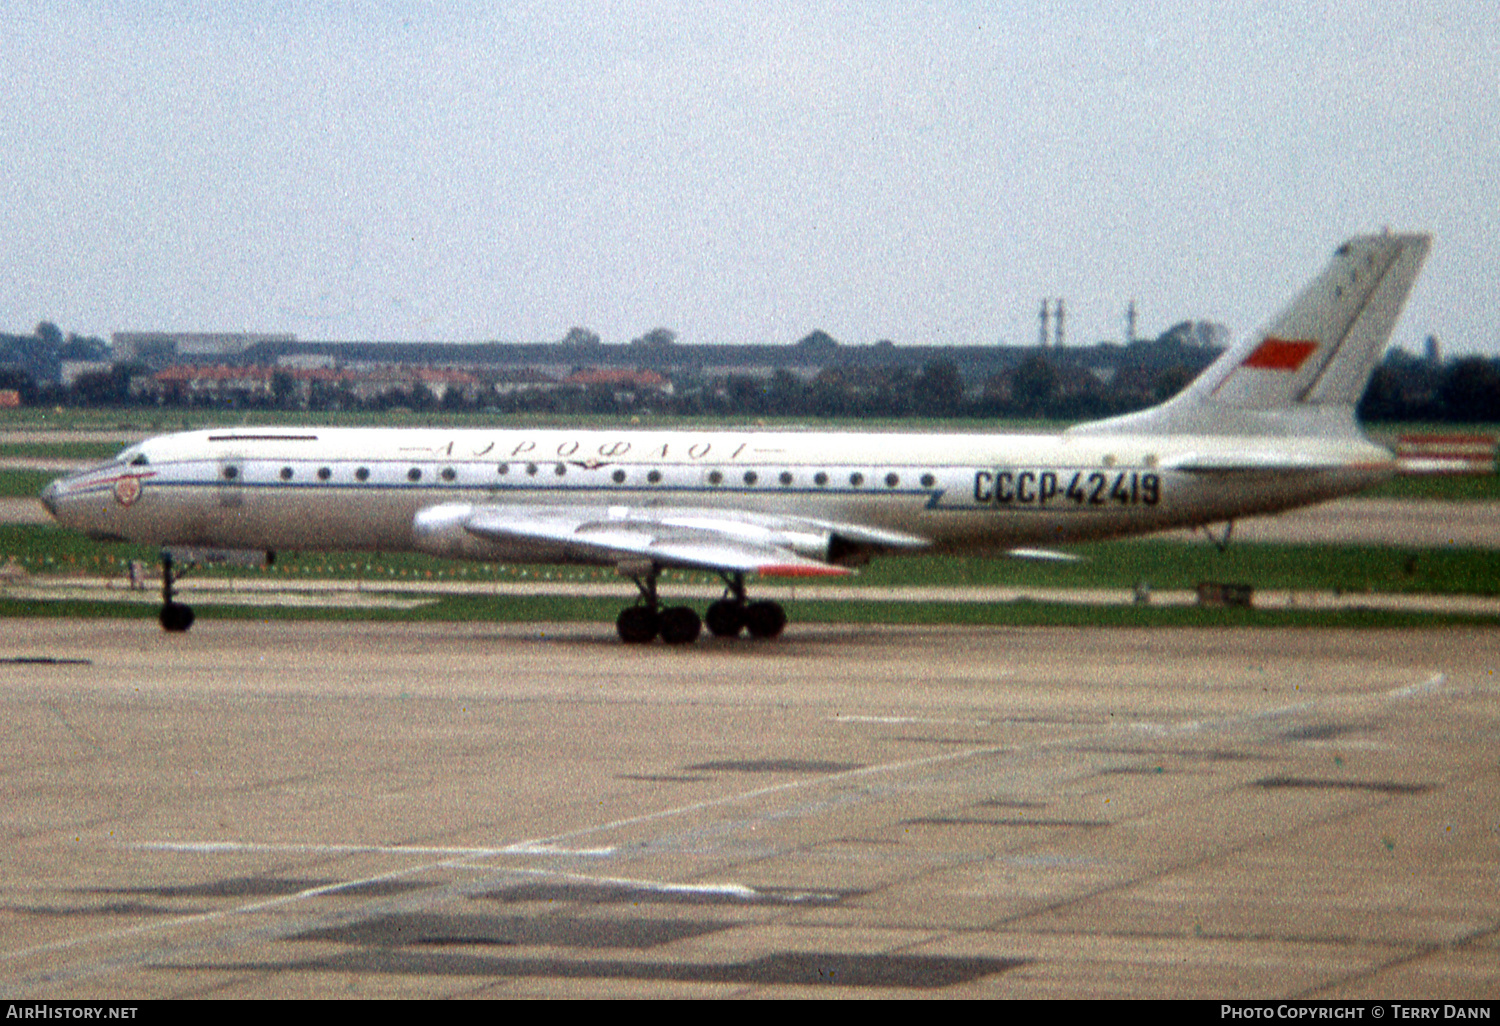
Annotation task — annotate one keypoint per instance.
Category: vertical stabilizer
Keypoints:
(1306, 370)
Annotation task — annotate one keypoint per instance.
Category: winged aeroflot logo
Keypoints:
(127, 490)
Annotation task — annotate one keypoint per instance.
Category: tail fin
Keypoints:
(1305, 371)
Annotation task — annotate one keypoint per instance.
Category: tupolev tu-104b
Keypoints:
(1268, 426)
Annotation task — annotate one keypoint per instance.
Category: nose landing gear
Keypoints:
(175, 617)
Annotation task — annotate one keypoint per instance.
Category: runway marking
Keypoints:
(548, 845)
(205, 917)
(1412, 690)
(465, 858)
(215, 847)
(464, 861)
(733, 890)
(910, 719)
(1420, 689)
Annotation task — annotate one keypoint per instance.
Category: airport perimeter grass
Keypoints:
(48, 552)
(24, 484)
(543, 610)
(1163, 565)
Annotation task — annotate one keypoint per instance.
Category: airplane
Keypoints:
(1268, 426)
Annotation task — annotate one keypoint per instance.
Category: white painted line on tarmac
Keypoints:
(910, 719)
(1427, 686)
(228, 847)
(551, 844)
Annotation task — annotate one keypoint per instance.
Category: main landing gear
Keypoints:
(679, 625)
(176, 617)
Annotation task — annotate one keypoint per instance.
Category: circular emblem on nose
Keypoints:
(127, 490)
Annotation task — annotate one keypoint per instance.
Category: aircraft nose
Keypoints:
(49, 498)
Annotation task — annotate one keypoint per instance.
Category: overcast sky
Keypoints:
(923, 172)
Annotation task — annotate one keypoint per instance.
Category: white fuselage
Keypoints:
(318, 488)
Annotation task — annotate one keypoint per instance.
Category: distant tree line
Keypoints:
(1409, 388)
(1052, 384)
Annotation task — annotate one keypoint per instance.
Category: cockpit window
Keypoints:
(133, 456)
(139, 460)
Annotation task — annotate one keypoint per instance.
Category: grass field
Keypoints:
(1164, 565)
(511, 609)
(1445, 487)
(50, 553)
(23, 484)
(100, 451)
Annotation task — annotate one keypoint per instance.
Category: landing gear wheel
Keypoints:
(764, 619)
(725, 618)
(680, 626)
(176, 617)
(637, 624)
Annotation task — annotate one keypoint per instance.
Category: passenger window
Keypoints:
(414, 474)
(286, 473)
(751, 477)
(820, 479)
(449, 473)
(324, 473)
(362, 474)
(856, 479)
(928, 480)
(654, 477)
(786, 477)
(618, 476)
(891, 480)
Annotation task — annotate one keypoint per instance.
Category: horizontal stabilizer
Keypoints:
(1043, 555)
(1285, 462)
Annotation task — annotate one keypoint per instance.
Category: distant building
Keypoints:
(71, 369)
(223, 382)
(162, 348)
(620, 379)
(517, 366)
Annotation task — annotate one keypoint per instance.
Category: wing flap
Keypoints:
(687, 539)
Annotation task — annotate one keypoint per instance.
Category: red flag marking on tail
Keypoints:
(1281, 354)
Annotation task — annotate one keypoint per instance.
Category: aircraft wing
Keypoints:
(681, 537)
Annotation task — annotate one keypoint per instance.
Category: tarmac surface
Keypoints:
(476, 810)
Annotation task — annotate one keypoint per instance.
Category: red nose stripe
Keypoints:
(1281, 354)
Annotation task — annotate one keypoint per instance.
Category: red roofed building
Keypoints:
(620, 379)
